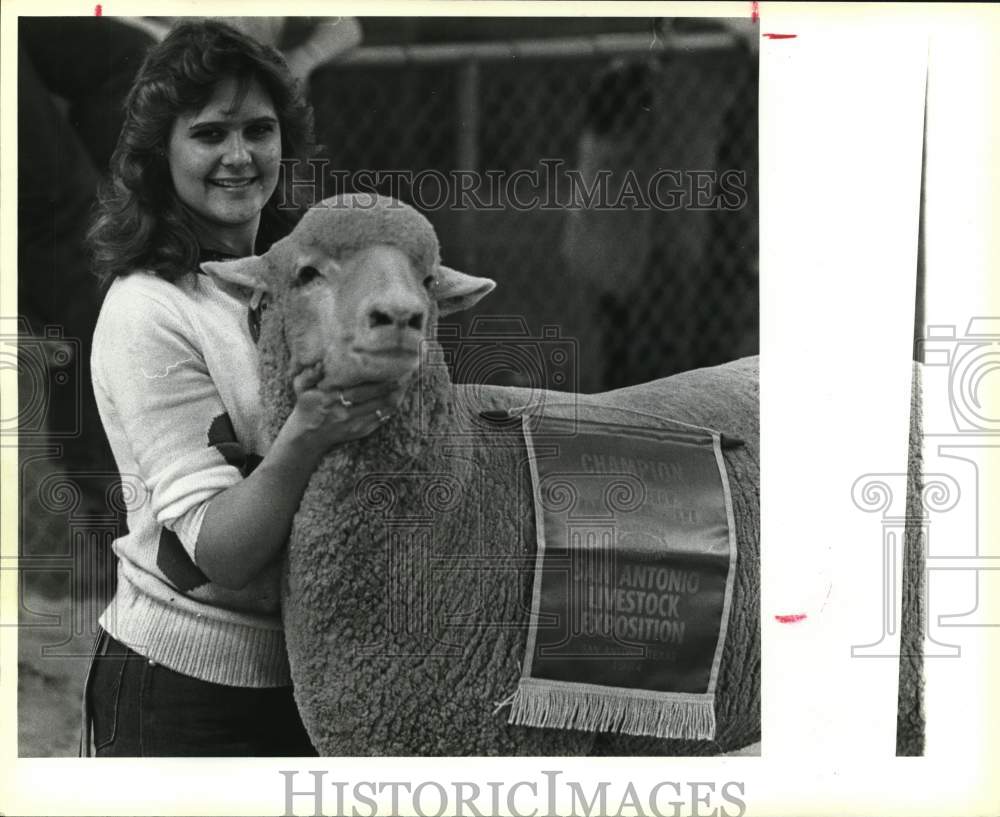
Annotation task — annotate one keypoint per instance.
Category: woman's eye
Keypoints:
(209, 135)
(260, 131)
(306, 275)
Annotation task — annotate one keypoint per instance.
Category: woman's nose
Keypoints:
(236, 151)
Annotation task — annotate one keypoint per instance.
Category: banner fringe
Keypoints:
(611, 711)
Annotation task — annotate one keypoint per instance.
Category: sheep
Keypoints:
(407, 582)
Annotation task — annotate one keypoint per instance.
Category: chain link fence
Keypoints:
(502, 145)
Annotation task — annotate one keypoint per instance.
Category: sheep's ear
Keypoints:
(251, 272)
(455, 291)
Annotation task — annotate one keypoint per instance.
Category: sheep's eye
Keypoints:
(430, 282)
(306, 275)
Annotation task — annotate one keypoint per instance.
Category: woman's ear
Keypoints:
(455, 291)
(251, 272)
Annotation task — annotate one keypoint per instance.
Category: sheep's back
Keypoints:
(724, 398)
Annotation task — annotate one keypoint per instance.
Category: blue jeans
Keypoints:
(139, 708)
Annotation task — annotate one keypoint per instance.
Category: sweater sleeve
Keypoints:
(150, 372)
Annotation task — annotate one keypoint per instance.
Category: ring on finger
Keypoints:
(382, 416)
(344, 401)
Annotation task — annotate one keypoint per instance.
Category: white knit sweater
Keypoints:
(176, 382)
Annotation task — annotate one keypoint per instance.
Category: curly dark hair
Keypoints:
(139, 221)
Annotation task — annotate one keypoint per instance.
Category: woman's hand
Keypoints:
(246, 525)
(325, 416)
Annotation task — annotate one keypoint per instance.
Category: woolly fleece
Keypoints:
(910, 718)
(409, 577)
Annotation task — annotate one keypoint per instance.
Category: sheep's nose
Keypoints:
(399, 316)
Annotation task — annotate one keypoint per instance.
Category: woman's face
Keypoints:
(224, 160)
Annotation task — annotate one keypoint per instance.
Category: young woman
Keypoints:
(191, 659)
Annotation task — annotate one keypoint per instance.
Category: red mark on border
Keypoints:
(754, 11)
(98, 10)
(792, 619)
(780, 36)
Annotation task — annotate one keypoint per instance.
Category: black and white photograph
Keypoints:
(261, 254)
(478, 410)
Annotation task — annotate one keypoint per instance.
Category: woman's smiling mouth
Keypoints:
(233, 183)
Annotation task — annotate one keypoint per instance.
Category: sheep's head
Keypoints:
(360, 286)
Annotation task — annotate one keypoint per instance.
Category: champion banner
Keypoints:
(633, 578)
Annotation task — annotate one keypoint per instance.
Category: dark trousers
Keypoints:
(142, 709)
